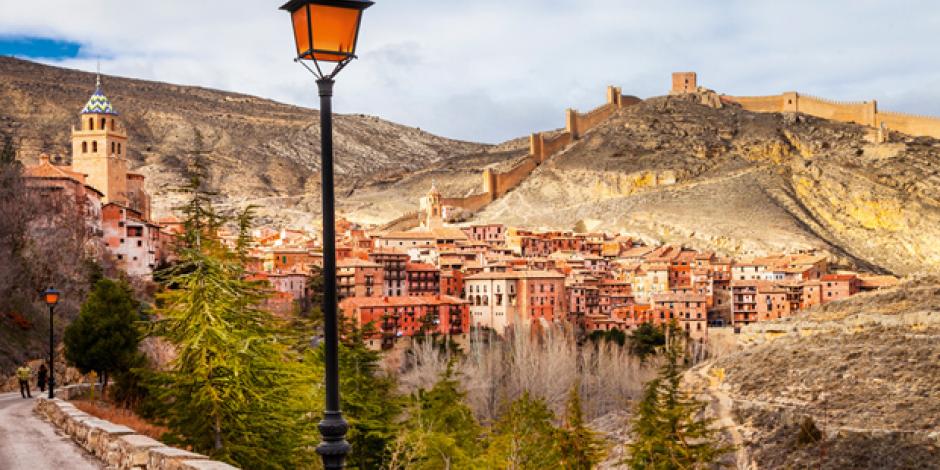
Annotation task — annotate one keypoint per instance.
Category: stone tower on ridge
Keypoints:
(99, 148)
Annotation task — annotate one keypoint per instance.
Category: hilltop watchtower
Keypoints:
(683, 82)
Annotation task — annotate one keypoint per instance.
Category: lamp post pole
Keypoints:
(333, 448)
(51, 355)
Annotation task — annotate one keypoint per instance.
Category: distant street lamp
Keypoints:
(327, 31)
(51, 297)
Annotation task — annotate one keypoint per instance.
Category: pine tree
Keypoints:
(105, 336)
(235, 391)
(524, 436)
(669, 430)
(579, 446)
(440, 432)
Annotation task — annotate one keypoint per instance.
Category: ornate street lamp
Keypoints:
(51, 297)
(327, 31)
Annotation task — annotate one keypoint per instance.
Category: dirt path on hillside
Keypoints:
(722, 404)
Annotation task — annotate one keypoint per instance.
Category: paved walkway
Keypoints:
(29, 443)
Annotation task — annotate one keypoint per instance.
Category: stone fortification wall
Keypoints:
(541, 148)
(862, 112)
(910, 123)
(120, 447)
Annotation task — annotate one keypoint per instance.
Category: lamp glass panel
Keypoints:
(52, 298)
(334, 30)
(301, 30)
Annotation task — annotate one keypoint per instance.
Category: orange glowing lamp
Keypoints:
(326, 30)
(51, 296)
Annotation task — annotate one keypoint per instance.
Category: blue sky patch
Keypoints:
(38, 48)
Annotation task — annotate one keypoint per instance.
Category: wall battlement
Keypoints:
(859, 112)
(541, 148)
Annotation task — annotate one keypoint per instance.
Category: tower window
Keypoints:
(112, 147)
(84, 147)
(112, 124)
(91, 124)
(94, 146)
(102, 123)
(119, 148)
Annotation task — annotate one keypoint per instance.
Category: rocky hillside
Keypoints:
(745, 183)
(257, 151)
(865, 371)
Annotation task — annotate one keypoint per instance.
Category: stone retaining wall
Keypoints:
(120, 447)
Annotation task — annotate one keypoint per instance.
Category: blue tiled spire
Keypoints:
(98, 103)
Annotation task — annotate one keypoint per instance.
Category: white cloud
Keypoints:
(491, 69)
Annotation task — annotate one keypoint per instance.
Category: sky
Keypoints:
(492, 70)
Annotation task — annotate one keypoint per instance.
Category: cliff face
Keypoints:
(671, 169)
(256, 150)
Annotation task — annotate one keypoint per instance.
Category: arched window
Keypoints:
(84, 147)
(486, 300)
(119, 148)
(113, 147)
(112, 124)
(94, 146)
(91, 124)
(103, 120)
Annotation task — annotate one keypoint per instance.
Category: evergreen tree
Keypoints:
(105, 336)
(440, 432)
(236, 391)
(646, 339)
(579, 446)
(669, 430)
(525, 438)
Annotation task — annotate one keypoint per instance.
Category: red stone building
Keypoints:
(838, 286)
(359, 278)
(423, 279)
(396, 317)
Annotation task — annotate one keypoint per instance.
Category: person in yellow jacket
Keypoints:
(23, 374)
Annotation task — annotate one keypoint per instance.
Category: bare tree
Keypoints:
(546, 362)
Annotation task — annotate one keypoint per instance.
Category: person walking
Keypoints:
(41, 377)
(23, 374)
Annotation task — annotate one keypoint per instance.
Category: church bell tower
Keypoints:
(99, 147)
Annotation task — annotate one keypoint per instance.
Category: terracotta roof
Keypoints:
(671, 297)
(356, 263)
(409, 235)
(45, 169)
(839, 277)
(517, 275)
(420, 267)
(403, 301)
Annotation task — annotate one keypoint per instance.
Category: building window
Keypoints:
(94, 146)
(84, 147)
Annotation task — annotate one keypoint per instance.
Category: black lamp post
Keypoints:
(51, 297)
(327, 31)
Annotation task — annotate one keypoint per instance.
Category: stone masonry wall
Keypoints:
(120, 447)
(542, 148)
(865, 113)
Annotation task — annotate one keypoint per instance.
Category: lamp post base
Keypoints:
(333, 448)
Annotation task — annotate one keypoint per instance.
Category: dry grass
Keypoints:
(122, 416)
